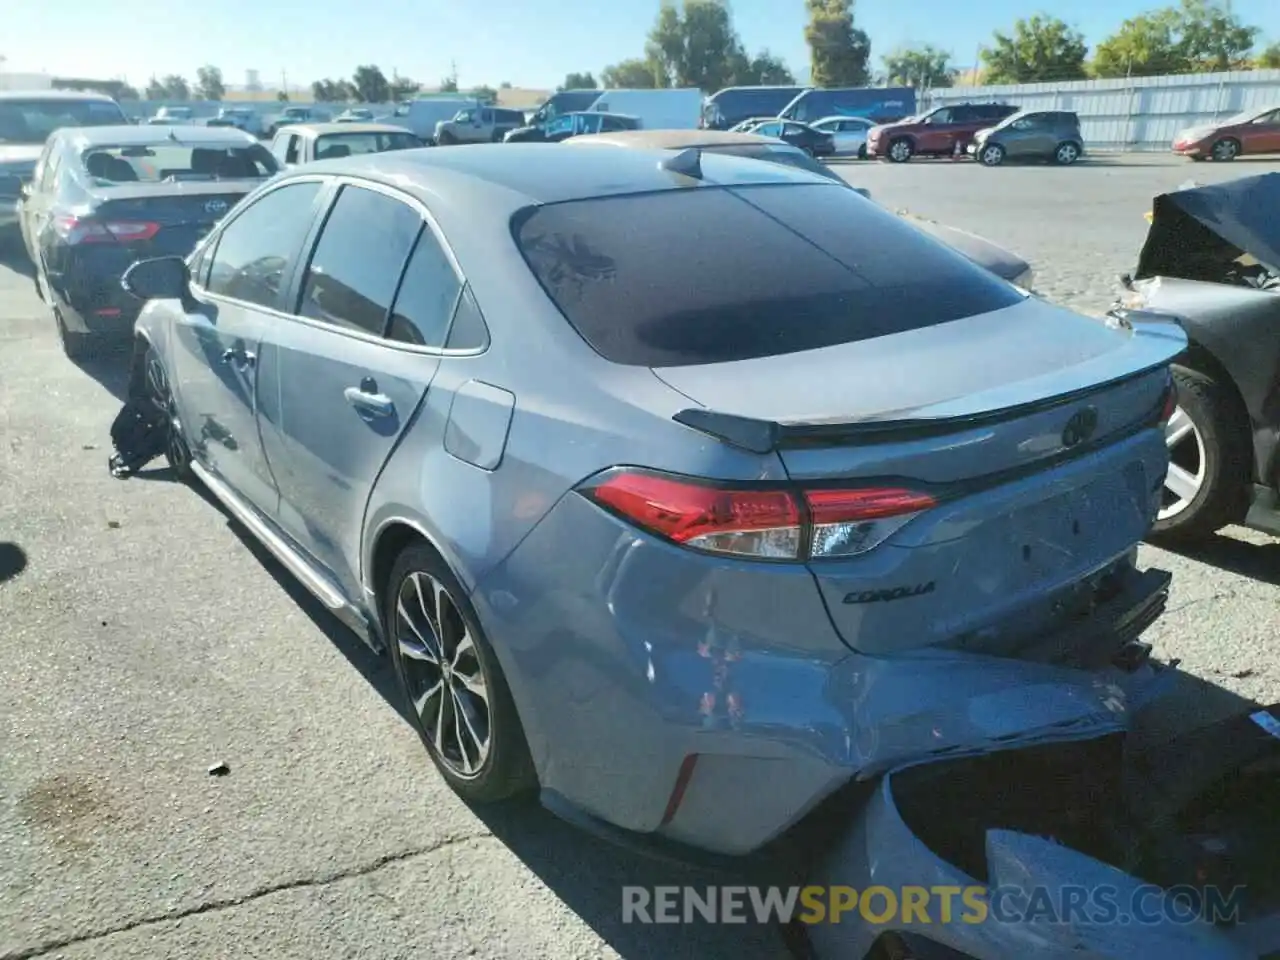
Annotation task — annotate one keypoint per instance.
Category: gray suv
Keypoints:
(1046, 135)
(478, 125)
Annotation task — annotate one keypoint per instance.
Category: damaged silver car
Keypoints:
(1212, 260)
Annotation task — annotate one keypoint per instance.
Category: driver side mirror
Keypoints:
(160, 278)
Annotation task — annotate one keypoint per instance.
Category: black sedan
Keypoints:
(811, 141)
(104, 197)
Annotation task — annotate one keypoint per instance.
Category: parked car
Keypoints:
(478, 125)
(816, 143)
(746, 126)
(1245, 134)
(104, 197)
(422, 115)
(242, 118)
(1003, 263)
(355, 115)
(939, 132)
(1212, 259)
(304, 143)
(293, 115)
(873, 104)
(560, 103)
(26, 120)
(1046, 135)
(569, 125)
(663, 561)
(170, 116)
(849, 134)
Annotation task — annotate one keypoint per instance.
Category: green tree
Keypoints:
(578, 81)
(839, 53)
(484, 94)
(175, 88)
(209, 85)
(1195, 36)
(1041, 49)
(371, 84)
(633, 74)
(694, 45)
(764, 69)
(1269, 58)
(332, 91)
(402, 88)
(154, 90)
(921, 67)
(282, 96)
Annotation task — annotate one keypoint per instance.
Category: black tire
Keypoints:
(862, 152)
(991, 154)
(156, 383)
(446, 139)
(901, 150)
(1225, 150)
(1222, 423)
(1066, 153)
(506, 769)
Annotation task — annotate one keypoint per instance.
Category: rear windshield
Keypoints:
(333, 145)
(173, 162)
(711, 275)
(31, 121)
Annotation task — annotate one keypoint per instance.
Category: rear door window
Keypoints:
(712, 275)
(358, 260)
(427, 297)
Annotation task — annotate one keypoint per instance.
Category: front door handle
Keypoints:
(239, 356)
(368, 402)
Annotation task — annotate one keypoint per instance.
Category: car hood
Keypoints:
(1196, 133)
(1003, 263)
(1215, 223)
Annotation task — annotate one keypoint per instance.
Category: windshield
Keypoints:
(333, 145)
(177, 162)
(31, 121)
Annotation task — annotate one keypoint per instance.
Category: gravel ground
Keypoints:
(146, 640)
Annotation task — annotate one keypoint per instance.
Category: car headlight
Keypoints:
(1026, 280)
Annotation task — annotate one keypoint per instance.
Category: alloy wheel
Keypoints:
(1067, 153)
(1225, 150)
(161, 398)
(900, 151)
(1187, 462)
(991, 156)
(444, 675)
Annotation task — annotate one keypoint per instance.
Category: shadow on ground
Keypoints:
(1258, 561)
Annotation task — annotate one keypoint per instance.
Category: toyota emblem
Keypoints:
(216, 207)
(1080, 427)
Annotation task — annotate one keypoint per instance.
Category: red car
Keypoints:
(1251, 132)
(937, 133)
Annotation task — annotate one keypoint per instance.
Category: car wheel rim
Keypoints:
(162, 399)
(1067, 154)
(1224, 151)
(991, 156)
(1185, 477)
(445, 678)
(900, 151)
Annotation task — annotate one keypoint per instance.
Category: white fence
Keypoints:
(1142, 113)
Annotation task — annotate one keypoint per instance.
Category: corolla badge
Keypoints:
(216, 207)
(1080, 427)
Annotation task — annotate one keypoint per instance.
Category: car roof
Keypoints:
(672, 139)
(319, 129)
(143, 135)
(506, 177)
(599, 113)
(54, 95)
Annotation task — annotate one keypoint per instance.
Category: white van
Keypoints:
(421, 114)
(656, 109)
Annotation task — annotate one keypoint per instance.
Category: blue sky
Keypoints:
(530, 44)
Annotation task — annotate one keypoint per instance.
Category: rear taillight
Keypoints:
(761, 523)
(79, 230)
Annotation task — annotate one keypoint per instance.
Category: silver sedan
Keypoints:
(849, 133)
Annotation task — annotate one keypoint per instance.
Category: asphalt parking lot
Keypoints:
(146, 641)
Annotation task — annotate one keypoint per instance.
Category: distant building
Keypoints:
(25, 81)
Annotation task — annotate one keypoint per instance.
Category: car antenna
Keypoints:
(687, 163)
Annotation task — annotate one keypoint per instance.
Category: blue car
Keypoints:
(680, 487)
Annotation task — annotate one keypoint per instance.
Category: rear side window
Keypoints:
(358, 260)
(258, 249)
(428, 294)
(712, 275)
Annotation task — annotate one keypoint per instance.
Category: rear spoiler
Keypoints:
(770, 436)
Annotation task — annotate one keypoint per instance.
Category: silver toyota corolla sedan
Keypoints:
(684, 487)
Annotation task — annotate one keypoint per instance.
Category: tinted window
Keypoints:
(31, 121)
(257, 251)
(428, 294)
(358, 260)
(174, 162)
(468, 331)
(713, 275)
(941, 116)
(333, 145)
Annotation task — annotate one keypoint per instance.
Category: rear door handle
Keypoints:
(368, 402)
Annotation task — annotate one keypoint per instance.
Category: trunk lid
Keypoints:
(1031, 427)
(183, 212)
